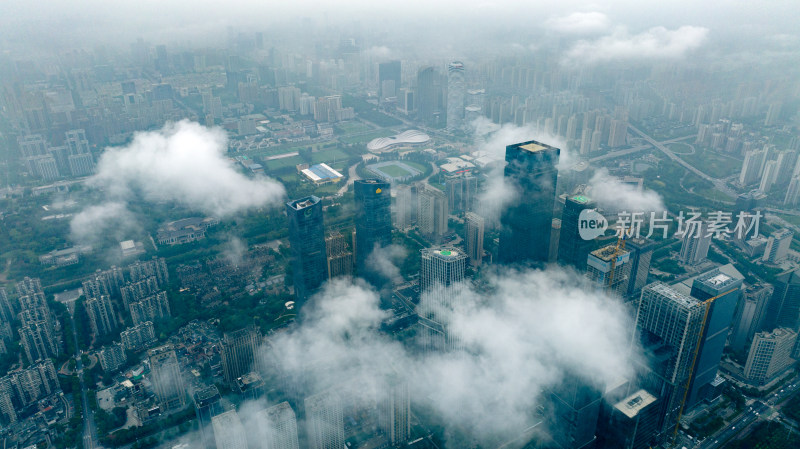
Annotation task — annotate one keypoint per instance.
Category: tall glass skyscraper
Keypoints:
(572, 249)
(455, 95)
(307, 238)
(426, 94)
(440, 271)
(373, 219)
(526, 222)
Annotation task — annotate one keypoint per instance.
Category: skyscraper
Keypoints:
(388, 79)
(770, 355)
(474, 237)
(778, 246)
(432, 211)
(405, 206)
(325, 421)
(166, 378)
(694, 246)
(239, 352)
(572, 409)
(280, 431)
(426, 95)
(526, 222)
(440, 271)
(396, 411)
(726, 287)
(307, 238)
(668, 323)
(101, 315)
(641, 252)
(340, 257)
(373, 219)
(455, 95)
(229, 433)
(749, 317)
(609, 268)
(207, 405)
(573, 250)
(783, 309)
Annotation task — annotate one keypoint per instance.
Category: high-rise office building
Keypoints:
(325, 421)
(726, 288)
(229, 433)
(695, 245)
(474, 237)
(669, 323)
(770, 355)
(280, 429)
(526, 222)
(455, 96)
(239, 352)
(405, 206)
(783, 309)
(389, 79)
(641, 252)
(573, 408)
(432, 212)
(630, 423)
(778, 246)
(749, 316)
(609, 268)
(440, 272)
(207, 405)
(396, 411)
(307, 238)
(573, 250)
(426, 95)
(340, 257)
(166, 377)
(373, 219)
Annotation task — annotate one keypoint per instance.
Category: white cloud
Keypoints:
(109, 218)
(183, 162)
(580, 23)
(654, 43)
(612, 194)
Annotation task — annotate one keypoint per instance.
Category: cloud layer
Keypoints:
(531, 331)
(655, 43)
(183, 163)
(580, 23)
(612, 194)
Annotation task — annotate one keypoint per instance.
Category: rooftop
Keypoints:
(633, 404)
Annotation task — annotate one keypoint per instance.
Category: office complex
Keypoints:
(750, 315)
(426, 95)
(609, 268)
(373, 219)
(770, 355)
(166, 378)
(725, 286)
(573, 250)
(474, 237)
(630, 423)
(440, 272)
(669, 323)
(280, 429)
(783, 309)
(339, 254)
(778, 246)
(229, 433)
(307, 238)
(432, 211)
(573, 408)
(641, 252)
(695, 245)
(239, 352)
(207, 405)
(526, 222)
(325, 421)
(405, 210)
(455, 95)
(388, 80)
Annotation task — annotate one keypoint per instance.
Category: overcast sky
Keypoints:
(160, 20)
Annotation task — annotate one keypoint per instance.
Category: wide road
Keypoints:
(90, 438)
(636, 149)
(719, 184)
(758, 410)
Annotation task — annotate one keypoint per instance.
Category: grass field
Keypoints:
(713, 164)
(680, 148)
(395, 171)
(352, 127)
(327, 156)
(364, 138)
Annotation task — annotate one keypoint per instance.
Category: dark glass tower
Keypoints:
(726, 287)
(373, 219)
(531, 171)
(426, 94)
(783, 309)
(572, 249)
(641, 252)
(388, 71)
(307, 238)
